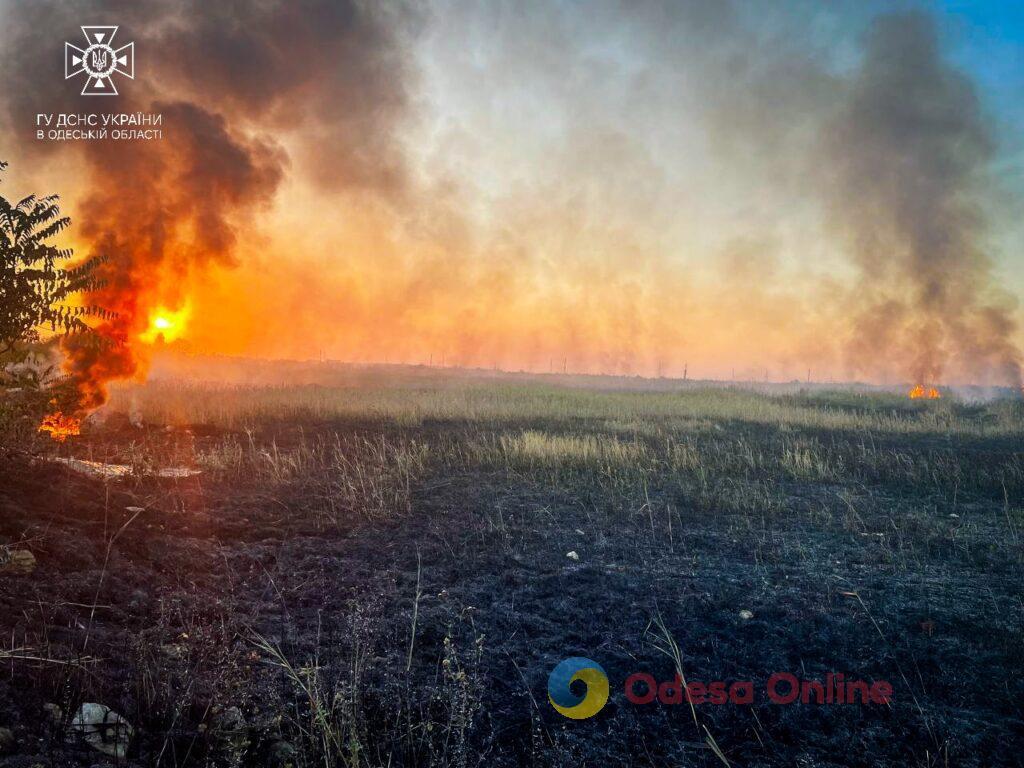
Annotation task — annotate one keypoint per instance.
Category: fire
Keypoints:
(927, 393)
(166, 325)
(61, 427)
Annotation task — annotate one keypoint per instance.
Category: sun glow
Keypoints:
(166, 325)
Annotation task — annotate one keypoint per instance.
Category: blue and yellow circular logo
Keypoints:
(568, 703)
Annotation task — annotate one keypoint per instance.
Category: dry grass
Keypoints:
(338, 476)
(649, 413)
(729, 445)
(531, 449)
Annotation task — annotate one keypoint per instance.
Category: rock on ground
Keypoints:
(103, 729)
(16, 562)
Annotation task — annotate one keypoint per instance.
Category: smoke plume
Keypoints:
(907, 155)
(158, 214)
(227, 78)
(740, 188)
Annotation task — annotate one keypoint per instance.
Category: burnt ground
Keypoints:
(232, 623)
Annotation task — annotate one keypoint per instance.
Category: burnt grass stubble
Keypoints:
(241, 620)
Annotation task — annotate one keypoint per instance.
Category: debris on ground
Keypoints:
(16, 562)
(103, 729)
(115, 471)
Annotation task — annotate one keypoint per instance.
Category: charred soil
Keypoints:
(363, 591)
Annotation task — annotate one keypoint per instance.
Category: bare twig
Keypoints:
(415, 612)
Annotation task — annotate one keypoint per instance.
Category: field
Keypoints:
(383, 571)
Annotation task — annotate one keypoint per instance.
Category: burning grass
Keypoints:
(921, 392)
(61, 427)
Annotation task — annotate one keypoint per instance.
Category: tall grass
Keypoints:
(716, 442)
(235, 407)
(335, 476)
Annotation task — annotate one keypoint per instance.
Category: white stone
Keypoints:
(103, 729)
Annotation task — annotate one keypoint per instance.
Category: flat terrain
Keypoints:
(379, 574)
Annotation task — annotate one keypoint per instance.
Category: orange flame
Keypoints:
(167, 325)
(920, 391)
(61, 427)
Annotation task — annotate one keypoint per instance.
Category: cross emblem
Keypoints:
(99, 61)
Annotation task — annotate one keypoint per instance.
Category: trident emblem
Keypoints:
(99, 61)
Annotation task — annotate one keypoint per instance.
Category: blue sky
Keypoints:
(986, 38)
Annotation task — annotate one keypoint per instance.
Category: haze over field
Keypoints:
(765, 188)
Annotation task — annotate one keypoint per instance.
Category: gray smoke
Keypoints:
(226, 77)
(906, 157)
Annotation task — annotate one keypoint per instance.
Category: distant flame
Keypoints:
(61, 427)
(166, 325)
(927, 393)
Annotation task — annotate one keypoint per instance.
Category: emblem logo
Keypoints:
(99, 61)
(575, 705)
